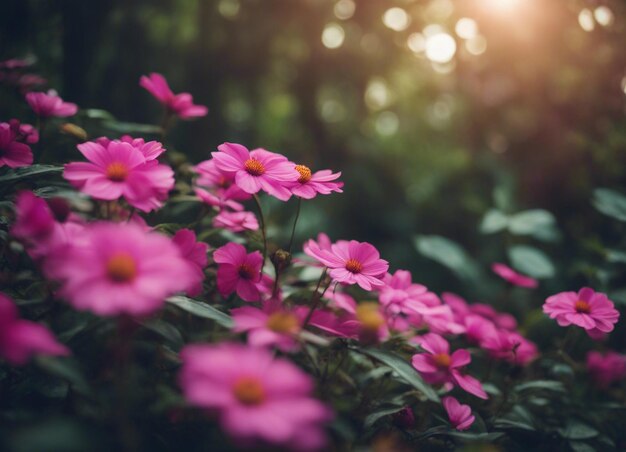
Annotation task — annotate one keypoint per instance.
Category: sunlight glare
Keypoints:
(440, 48)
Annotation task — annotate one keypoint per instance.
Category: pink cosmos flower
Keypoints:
(13, 153)
(606, 368)
(351, 262)
(517, 279)
(587, 309)
(120, 268)
(179, 104)
(151, 150)
(50, 104)
(272, 325)
(236, 221)
(259, 399)
(510, 346)
(460, 416)
(238, 271)
(310, 184)
(438, 319)
(478, 329)
(121, 169)
(21, 339)
(257, 170)
(196, 254)
(400, 294)
(220, 201)
(437, 366)
(24, 133)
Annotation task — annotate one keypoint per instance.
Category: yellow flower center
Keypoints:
(354, 266)
(305, 173)
(442, 360)
(254, 167)
(117, 171)
(582, 307)
(283, 322)
(249, 391)
(370, 317)
(121, 268)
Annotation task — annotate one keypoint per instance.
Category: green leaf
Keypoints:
(65, 369)
(131, 127)
(201, 310)
(382, 411)
(578, 430)
(493, 221)
(29, 171)
(531, 261)
(610, 203)
(578, 446)
(95, 113)
(531, 222)
(447, 253)
(166, 330)
(403, 369)
(548, 385)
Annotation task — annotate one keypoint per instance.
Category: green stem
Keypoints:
(316, 297)
(262, 218)
(41, 127)
(295, 221)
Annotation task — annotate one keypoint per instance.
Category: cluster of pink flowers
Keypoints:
(50, 104)
(15, 138)
(12, 74)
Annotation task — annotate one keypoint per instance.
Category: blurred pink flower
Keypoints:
(257, 170)
(510, 346)
(351, 262)
(400, 294)
(120, 268)
(308, 185)
(218, 201)
(587, 309)
(606, 368)
(259, 399)
(21, 339)
(478, 329)
(50, 104)
(121, 169)
(460, 416)
(13, 153)
(517, 279)
(151, 150)
(238, 271)
(437, 366)
(180, 104)
(24, 133)
(196, 254)
(236, 221)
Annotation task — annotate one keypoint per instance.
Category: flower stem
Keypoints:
(262, 218)
(316, 297)
(295, 221)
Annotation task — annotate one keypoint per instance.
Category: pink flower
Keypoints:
(13, 153)
(120, 268)
(401, 294)
(151, 150)
(606, 368)
(517, 279)
(257, 170)
(50, 104)
(310, 184)
(21, 339)
(479, 329)
(196, 254)
(238, 271)
(24, 133)
(437, 366)
(180, 104)
(351, 262)
(272, 325)
(121, 170)
(218, 201)
(236, 221)
(510, 346)
(460, 415)
(587, 309)
(259, 399)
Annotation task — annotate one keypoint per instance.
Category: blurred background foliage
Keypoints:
(438, 112)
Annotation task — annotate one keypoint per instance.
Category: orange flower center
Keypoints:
(305, 173)
(283, 322)
(442, 360)
(370, 317)
(254, 167)
(582, 307)
(249, 391)
(353, 266)
(246, 271)
(117, 171)
(121, 268)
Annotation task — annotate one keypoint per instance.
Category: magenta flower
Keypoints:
(196, 254)
(219, 201)
(50, 104)
(120, 268)
(236, 221)
(351, 262)
(21, 339)
(238, 271)
(479, 329)
(179, 104)
(310, 184)
(24, 133)
(259, 399)
(587, 309)
(460, 416)
(151, 150)
(607, 368)
(257, 170)
(13, 153)
(510, 346)
(121, 170)
(517, 279)
(400, 294)
(437, 366)
(272, 325)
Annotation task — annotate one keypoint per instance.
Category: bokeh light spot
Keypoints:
(416, 42)
(604, 16)
(585, 20)
(344, 9)
(396, 18)
(440, 48)
(466, 28)
(477, 45)
(333, 36)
